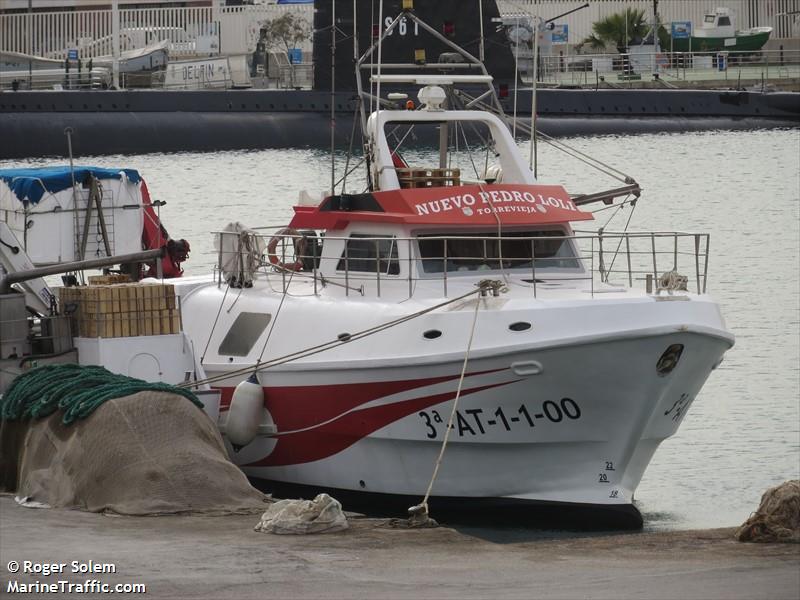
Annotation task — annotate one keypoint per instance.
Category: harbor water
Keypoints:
(742, 434)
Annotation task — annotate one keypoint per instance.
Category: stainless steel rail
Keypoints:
(607, 259)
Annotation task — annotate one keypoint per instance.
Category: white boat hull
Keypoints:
(580, 431)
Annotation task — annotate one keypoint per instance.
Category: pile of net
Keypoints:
(323, 514)
(76, 390)
(777, 518)
(129, 450)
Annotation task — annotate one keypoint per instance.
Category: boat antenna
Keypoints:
(534, 159)
(480, 12)
(516, 80)
(333, 96)
(380, 54)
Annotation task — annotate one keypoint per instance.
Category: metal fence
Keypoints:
(53, 34)
(585, 69)
(748, 13)
(48, 79)
(602, 262)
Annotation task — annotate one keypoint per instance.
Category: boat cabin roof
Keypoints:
(469, 206)
(30, 184)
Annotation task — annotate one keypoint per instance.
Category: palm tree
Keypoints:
(619, 29)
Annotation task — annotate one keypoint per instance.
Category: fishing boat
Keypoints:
(718, 32)
(437, 307)
(443, 334)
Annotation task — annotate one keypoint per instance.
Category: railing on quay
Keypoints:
(676, 67)
(47, 79)
(53, 34)
(602, 261)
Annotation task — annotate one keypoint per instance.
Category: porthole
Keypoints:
(432, 334)
(344, 337)
(520, 326)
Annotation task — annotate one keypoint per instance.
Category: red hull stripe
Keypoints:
(339, 434)
(303, 406)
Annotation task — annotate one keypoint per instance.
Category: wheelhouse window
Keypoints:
(723, 21)
(370, 254)
(482, 252)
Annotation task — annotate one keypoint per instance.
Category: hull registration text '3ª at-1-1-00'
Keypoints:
(477, 421)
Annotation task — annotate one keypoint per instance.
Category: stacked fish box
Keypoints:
(121, 310)
(417, 178)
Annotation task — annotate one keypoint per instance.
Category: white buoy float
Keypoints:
(246, 413)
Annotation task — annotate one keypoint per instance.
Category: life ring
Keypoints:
(298, 241)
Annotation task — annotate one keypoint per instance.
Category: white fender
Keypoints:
(245, 413)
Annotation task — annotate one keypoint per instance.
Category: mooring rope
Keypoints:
(420, 511)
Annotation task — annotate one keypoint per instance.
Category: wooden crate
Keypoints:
(122, 310)
(420, 178)
(110, 279)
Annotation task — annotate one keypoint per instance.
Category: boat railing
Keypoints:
(373, 266)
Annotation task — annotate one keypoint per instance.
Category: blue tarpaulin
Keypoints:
(29, 185)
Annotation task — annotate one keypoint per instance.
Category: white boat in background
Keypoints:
(445, 314)
(149, 58)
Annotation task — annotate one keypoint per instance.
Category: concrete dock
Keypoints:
(222, 557)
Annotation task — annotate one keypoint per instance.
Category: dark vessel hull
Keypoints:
(32, 123)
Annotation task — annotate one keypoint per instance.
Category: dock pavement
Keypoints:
(222, 557)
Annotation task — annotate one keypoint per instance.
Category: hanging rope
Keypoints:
(77, 390)
(419, 513)
(214, 326)
(619, 243)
